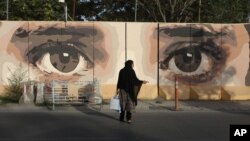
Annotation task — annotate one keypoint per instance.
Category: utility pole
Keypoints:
(199, 14)
(74, 9)
(7, 10)
(65, 9)
(136, 1)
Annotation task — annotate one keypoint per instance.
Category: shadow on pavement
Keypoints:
(236, 107)
(122, 130)
(239, 107)
(91, 110)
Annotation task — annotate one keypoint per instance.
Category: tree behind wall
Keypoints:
(220, 11)
(225, 11)
(40, 10)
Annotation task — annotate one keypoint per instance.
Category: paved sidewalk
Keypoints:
(143, 106)
(154, 120)
(155, 105)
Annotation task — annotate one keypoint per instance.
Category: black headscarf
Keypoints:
(128, 81)
(129, 64)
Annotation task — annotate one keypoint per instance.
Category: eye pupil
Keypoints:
(188, 59)
(65, 60)
(67, 57)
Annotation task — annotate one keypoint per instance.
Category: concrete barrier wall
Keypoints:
(209, 61)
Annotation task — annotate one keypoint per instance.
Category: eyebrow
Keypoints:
(189, 32)
(76, 31)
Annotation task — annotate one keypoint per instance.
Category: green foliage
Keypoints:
(6, 99)
(225, 11)
(13, 91)
(43, 10)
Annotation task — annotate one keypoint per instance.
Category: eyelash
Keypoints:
(216, 54)
(59, 50)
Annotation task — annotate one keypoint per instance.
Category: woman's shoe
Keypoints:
(129, 121)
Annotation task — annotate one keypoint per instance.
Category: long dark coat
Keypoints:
(129, 82)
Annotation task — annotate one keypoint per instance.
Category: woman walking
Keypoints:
(128, 87)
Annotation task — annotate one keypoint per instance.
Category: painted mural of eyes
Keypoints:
(61, 58)
(197, 63)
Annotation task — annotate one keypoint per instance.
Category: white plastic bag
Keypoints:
(115, 103)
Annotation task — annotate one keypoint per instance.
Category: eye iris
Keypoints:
(66, 60)
(188, 59)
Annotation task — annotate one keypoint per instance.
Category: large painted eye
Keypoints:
(65, 60)
(187, 62)
(61, 58)
(187, 59)
(194, 64)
